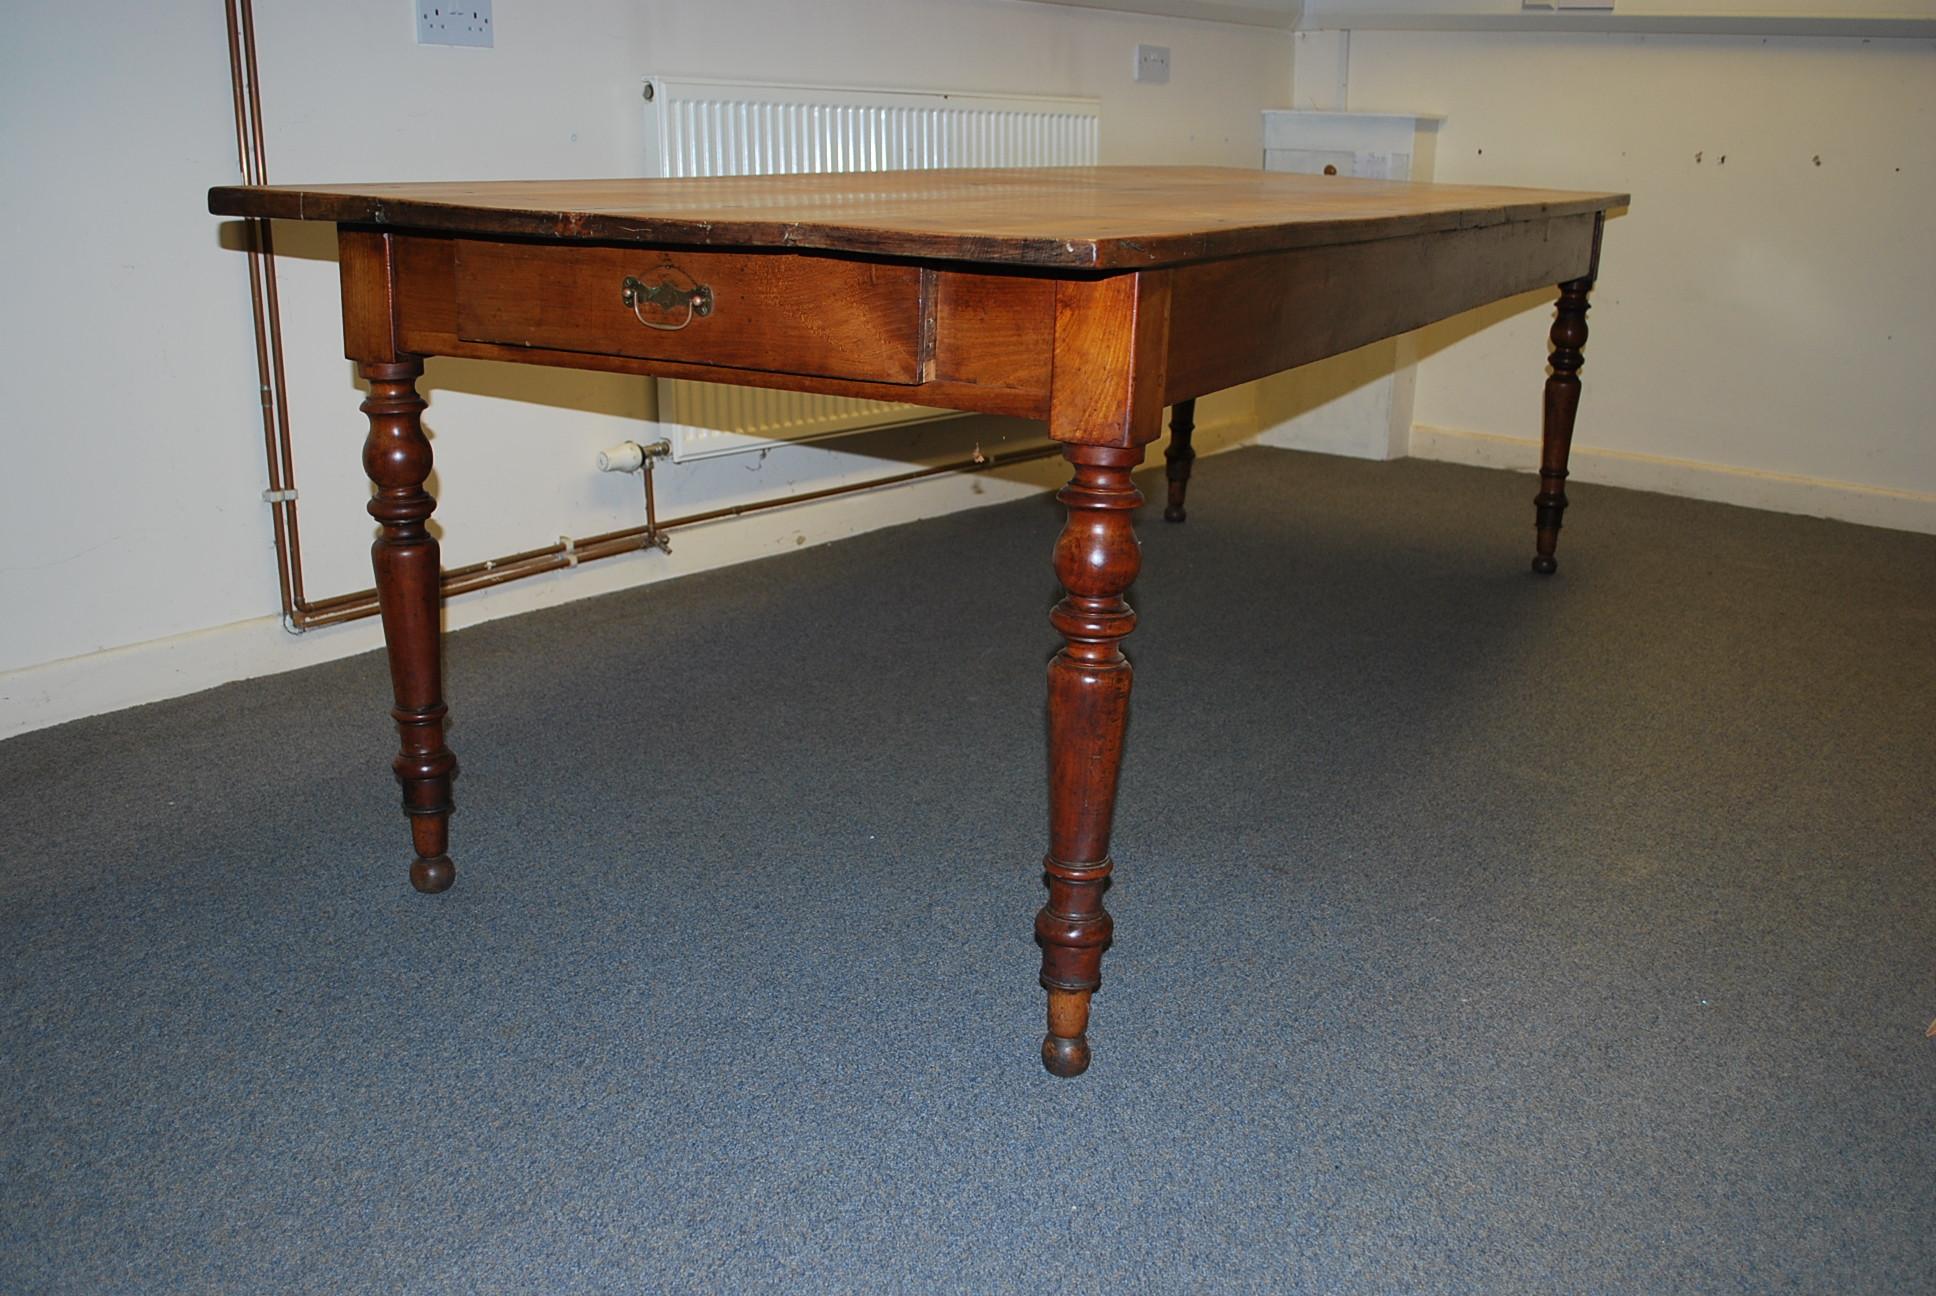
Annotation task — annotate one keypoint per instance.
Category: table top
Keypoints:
(1086, 218)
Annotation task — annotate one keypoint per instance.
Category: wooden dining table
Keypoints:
(1090, 298)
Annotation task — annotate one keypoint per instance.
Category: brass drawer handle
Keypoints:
(668, 295)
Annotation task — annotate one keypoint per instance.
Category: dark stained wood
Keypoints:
(991, 355)
(1237, 320)
(832, 316)
(1556, 434)
(1088, 297)
(994, 331)
(1178, 457)
(1111, 336)
(1096, 559)
(1110, 339)
(1086, 218)
(397, 458)
(366, 262)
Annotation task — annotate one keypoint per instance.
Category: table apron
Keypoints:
(981, 341)
(1246, 318)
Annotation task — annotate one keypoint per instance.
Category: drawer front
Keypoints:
(780, 312)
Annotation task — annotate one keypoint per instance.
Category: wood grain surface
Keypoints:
(1248, 318)
(1111, 337)
(790, 314)
(1094, 218)
(992, 344)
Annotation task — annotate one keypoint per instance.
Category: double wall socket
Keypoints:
(453, 22)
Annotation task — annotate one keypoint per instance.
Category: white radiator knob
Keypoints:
(626, 456)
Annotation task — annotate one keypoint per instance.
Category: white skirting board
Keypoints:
(1751, 488)
(52, 693)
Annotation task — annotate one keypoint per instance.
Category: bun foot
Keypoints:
(1545, 564)
(433, 875)
(1175, 513)
(1065, 1057)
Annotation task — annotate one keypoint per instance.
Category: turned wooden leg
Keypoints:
(1096, 559)
(1183, 424)
(397, 458)
(1562, 403)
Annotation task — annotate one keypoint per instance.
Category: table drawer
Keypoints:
(781, 312)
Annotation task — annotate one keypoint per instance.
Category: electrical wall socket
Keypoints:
(1153, 64)
(454, 22)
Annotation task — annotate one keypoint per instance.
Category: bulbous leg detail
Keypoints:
(397, 458)
(1562, 404)
(1096, 559)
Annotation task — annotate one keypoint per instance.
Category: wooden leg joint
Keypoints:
(1550, 503)
(425, 765)
(1073, 928)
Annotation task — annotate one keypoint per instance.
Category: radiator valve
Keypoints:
(630, 456)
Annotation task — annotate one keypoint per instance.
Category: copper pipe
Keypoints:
(498, 571)
(281, 382)
(266, 310)
(246, 162)
(255, 94)
(282, 408)
(652, 533)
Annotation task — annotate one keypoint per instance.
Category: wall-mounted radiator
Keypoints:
(714, 128)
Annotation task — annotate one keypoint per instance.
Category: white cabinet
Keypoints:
(1377, 146)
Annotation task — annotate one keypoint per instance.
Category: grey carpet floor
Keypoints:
(1475, 933)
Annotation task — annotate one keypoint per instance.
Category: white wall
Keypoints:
(135, 557)
(1763, 331)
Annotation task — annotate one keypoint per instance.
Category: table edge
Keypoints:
(1118, 253)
